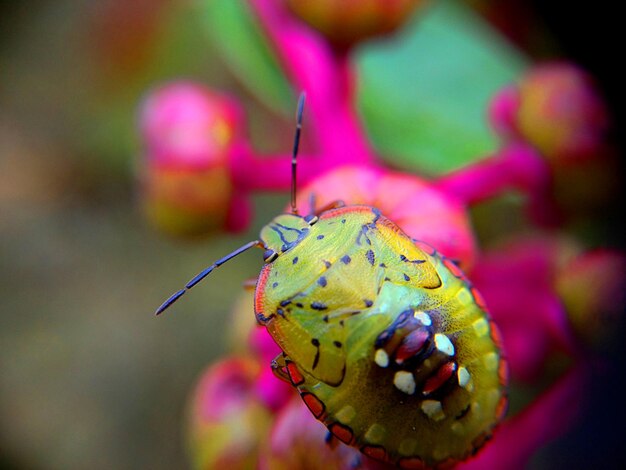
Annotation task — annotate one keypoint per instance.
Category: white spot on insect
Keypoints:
(381, 358)
(491, 361)
(433, 409)
(375, 434)
(404, 382)
(423, 318)
(463, 376)
(346, 414)
(481, 327)
(464, 296)
(443, 344)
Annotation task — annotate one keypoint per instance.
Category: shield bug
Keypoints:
(385, 339)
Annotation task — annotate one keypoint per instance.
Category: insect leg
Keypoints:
(279, 368)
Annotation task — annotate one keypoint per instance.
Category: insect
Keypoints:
(385, 339)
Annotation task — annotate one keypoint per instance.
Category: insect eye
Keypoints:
(311, 219)
(269, 256)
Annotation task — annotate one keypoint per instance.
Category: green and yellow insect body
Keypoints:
(385, 340)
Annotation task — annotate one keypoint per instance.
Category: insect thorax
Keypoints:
(284, 232)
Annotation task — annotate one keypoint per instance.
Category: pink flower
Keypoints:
(345, 23)
(421, 210)
(227, 423)
(189, 133)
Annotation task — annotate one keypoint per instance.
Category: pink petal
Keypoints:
(548, 417)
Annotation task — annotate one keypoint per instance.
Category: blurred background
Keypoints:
(88, 377)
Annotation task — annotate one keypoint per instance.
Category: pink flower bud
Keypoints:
(347, 22)
(591, 287)
(249, 338)
(517, 283)
(185, 125)
(561, 113)
(227, 425)
(298, 441)
(503, 110)
(188, 133)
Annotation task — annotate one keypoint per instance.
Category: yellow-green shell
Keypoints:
(328, 299)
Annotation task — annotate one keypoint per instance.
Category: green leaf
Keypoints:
(240, 40)
(423, 96)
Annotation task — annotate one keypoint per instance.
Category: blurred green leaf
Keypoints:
(243, 46)
(423, 95)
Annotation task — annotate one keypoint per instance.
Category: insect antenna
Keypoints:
(204, 273)
(296, 144)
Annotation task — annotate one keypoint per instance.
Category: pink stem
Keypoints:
(346, 138)
(517, 166)
(325, 76)
(273, 173)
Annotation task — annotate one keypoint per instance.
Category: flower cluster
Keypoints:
(550, 294)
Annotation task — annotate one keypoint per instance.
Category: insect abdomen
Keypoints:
(421, 406)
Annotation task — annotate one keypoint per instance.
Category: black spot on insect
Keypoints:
(320, 237)
(299, 305)
(363, 234)
(328, 264)
(318, 306)
(343, 221)
(387, 279)
(316, 359)
(275, 285)
(316, 342)
(369, 254)
(368, 302)
(406, 277)
(341, 322)
(284, 303)
(325, 318)
(463, 412)
(414, 261)
(322, 281)
(346, 259)
(382, 265)
(295, 260)
(404, 316)
(337, 344)
(383, 338)
(280, 312)
(262, 318)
